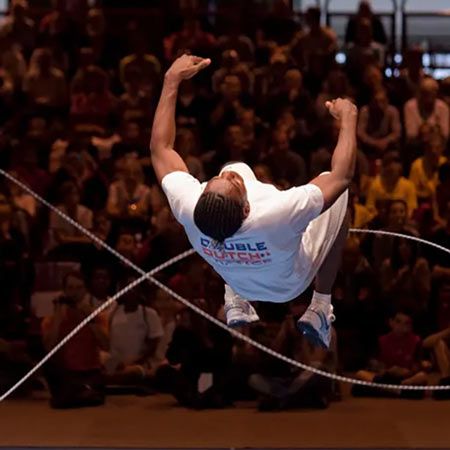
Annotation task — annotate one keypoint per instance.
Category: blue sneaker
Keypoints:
(315, 324)
(237, 310)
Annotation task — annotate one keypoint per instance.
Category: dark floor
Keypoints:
(154, 422)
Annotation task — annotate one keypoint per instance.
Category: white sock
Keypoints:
(323, 298)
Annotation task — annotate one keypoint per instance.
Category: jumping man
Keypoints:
(266, 244)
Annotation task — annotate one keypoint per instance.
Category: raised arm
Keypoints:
(164, 158)
(343, 162)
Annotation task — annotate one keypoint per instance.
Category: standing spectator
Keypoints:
(365, 12)
(74, 376)
(318, 40)
(379, 126)
(363, 51)
(391, 185)
(45, 84)
(426, 108)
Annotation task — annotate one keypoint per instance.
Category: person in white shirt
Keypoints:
(267, 245)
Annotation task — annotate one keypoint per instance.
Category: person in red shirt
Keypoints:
(74, 376)
(398, 360)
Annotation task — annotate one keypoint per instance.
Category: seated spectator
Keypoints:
(191, 37)
(99, 283)
(288, 167)
(63, 233)
(19, 27)
(426, 108)
(231, 65)
(228, 104)
(74, 375)
(424, 171)
(379, 127)
(354, 294)
(293, 388)
(146, 63)
(106, 48)
(391, 185)
(336, 85)
(136, 102)
(44, 84)
(396, 221)
(187, 146)
(318, 40)
(406, 278)
(254, 133)
(21, 199)
(397, 361)
(235, 40)
(199, 358)
(12, 62)
(443, 189)
(365, 12)
(132, 143)
(129, 197)
(439, 261)
(359, 214)
(134, 334)
(438, 343)
(363, 51)
(93, 105)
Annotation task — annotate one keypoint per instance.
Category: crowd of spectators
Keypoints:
(76, 106)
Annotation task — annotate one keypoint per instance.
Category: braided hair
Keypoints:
(218, 216)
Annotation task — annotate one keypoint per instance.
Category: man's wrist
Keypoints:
(171, 79)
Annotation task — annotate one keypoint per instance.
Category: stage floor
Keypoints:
(154, 422)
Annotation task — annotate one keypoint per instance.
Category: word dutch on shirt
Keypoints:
(235, 253)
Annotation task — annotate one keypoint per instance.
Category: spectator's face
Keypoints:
(132, 132)
(230, 59)
(235, 138)
(186, 142)
(428, 92)
(397, 215)
(293, 80)
(393, 171)
(434, 150)
(401, 324)
(19, 10)
(102, 225)
(37, 127)
(75, 289)
(126, 245)
(380, 101)
(100, 282)
(132, 173)
(281, 141)
(247, 119)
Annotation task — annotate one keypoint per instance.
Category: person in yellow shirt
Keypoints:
(359, 214)
(391, 185)
(424, 173)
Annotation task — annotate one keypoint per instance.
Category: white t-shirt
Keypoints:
(264, 259)
(130, 330)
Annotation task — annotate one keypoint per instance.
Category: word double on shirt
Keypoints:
(231, 253)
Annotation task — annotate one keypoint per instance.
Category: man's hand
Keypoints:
(186, 66)
(341, 108)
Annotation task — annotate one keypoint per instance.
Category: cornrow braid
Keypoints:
(218, 216)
